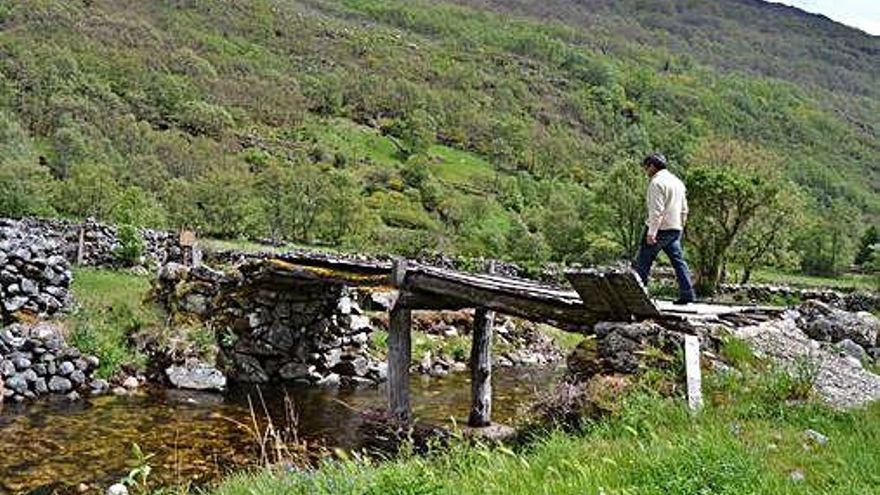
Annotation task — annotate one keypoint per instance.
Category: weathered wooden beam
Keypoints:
(398, 272)
(432, 302)
(481, 367)
(561, 308)
(399, 348)
(510, 285)
(399, 358)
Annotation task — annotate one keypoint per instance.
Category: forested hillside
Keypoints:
(500, 128)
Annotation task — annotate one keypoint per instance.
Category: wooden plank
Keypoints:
(276, 271)
(501, 285)
(590, 290)
(619, 311)
(481, 367)
(632, 294)
(399, 358)
(612, 294)
(566, 313)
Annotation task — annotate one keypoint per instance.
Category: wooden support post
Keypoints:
(481, 366)
(692, 368)
(399, 348)
(81, 244)
(196, 255)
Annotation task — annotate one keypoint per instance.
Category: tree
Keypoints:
(25, 186)
(415, 132)
(24, 189)
(90, 191)
(768, 238)
(305, 196)
(227, 201)
(729, 184)
(272, 181)
(827, 246)
(621, 199)
(870, 238)
(344, 216)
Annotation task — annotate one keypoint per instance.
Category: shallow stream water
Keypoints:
(196, 438)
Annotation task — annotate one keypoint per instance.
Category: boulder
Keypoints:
(852, 349)
(17, 383)
(196, 376)
(60, 385)
(66, 368)
(294, 371)
(358, 366)
(584, 361)
(822, 322)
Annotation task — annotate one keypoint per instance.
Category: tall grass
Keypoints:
(749, 439)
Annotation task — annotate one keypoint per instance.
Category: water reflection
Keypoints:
(198, 437)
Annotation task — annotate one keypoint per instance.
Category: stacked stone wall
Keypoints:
(100, 242)
(305, 332)
(34, 278)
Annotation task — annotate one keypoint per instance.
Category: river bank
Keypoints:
(757, 434)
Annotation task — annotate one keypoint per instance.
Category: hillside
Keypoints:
(497, 128)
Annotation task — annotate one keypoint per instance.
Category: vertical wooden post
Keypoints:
(692, 368)
(399, 347)
(196, 255)
(481, 366)
(81, 244)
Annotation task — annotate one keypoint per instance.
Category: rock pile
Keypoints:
(839, 378)
(855, 334)
(623, 348)
(101, 243)
(35, 360)
(34, 278)
(835, 344)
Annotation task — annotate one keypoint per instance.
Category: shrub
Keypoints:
(131, 245)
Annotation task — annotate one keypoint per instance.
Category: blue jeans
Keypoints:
(668, 241)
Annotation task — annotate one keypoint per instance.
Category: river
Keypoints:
(196, 438)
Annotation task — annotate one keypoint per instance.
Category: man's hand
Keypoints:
(651, 239)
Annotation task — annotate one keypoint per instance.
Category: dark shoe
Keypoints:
(683, 300)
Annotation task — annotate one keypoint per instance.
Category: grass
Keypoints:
(749, 439)
(110, 309)
(566, 341)
(847, 281)
(462, 169)
(256, 247)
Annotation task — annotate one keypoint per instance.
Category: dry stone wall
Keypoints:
(35, 360)
(34, 278)
(100, 241)
(762, 293)
(304, 332)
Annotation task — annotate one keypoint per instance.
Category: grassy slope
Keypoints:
(748, 440)
(111, 307)
(114, 83)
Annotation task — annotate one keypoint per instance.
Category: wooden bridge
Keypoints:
(598, 295)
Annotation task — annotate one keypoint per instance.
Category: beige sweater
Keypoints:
(666, 202)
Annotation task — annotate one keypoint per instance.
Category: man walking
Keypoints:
(667, 216)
